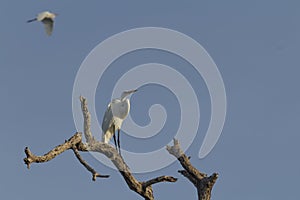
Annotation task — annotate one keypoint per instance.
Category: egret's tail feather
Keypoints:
(106, 137)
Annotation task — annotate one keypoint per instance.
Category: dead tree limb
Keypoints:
(75, 143)
(87, 120)
(159, 179)
(31, 158)
(87, 166)
(201, 181)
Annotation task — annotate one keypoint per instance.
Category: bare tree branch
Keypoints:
(200, 180)
(158, 180)
(75, 139)
(75, 143)
(87, 120)
(176, 151)
(87, 166)
(142, 188)
(189, 176)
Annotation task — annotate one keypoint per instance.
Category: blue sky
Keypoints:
(254, 45)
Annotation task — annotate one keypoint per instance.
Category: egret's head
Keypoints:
(127, 93)
(52, 14)
(55, 14)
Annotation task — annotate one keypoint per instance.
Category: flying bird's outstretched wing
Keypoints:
(48, 23)
(107, 124)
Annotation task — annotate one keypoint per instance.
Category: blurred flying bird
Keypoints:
(47, 18)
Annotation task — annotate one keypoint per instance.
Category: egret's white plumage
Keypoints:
(114, 116)
(47, 18)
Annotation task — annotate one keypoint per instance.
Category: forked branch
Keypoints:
(87, 166)
(201, 181)
(75, 143)
(31, 158)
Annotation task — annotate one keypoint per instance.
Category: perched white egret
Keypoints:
(47, 18)
(114, 116)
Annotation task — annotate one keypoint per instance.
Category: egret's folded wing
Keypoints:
(107, 119)
(48, 23)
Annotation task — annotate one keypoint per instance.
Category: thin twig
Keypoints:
(159, 180)
(87, 166)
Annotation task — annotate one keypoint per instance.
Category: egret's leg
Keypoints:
(115, 137)
(31, 20)
(119, 141)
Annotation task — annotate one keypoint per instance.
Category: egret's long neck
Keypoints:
(123, 96)
(124, 108)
